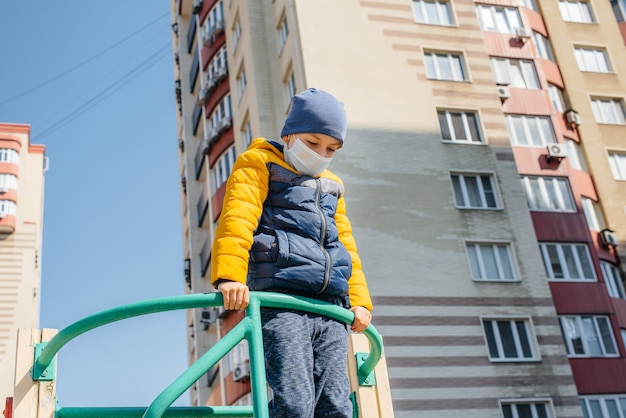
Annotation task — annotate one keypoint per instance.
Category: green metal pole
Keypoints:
(258, 379)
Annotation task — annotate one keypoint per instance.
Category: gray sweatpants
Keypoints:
(305, 361)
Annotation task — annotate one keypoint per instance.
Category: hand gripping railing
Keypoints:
(249, 328)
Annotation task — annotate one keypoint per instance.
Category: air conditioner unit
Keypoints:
(217, 27)
(206, 36)
(572, 117)
(608, 238)
(241, 372)
(556, 151)
(202, 96)
(225, 123)
(504, 92)
(523, 33)
(208, 317)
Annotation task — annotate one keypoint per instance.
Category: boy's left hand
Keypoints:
(362, 318)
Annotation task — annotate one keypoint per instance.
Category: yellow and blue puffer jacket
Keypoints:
(285, 232)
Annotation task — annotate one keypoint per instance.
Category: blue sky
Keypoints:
(95, 82)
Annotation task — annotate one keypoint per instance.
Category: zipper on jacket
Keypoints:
(318, 194)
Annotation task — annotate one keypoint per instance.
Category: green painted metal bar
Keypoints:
(249, 328)
(174, 412)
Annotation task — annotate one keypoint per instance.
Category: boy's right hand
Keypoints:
(236, 295)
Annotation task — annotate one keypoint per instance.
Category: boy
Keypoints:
(284, 228)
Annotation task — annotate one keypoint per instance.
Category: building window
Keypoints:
(8, 181)
(218, 68)
(564, 261)
(607, 406)
(222, 168)
(247, 134)
(236, 33)
(459, 126)
(530, 4)
(445, 66)
(8, 155)
(593, 214)
(527, 409)
(588, 336)
(434, 12)
(241, 83)
(551, 194)
(607, 110)
(619, 9)
(617, 161)
(509, 339)
(613, 280)
(515, 73)
(491, 262)
(220, 119)
(290, 88)
(576, 11)
(499, 19)
(575, 155)
(556, 98)
(283, 32)
(592, 59)
(532, 131)
(544, 50)
(8, 207)
(474, 191)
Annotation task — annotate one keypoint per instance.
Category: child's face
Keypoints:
(324, 145)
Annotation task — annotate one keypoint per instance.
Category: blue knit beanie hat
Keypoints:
(315, 111)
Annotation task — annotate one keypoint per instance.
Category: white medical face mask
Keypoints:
(304, 159)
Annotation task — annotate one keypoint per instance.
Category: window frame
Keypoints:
(609, 110)
(613, 280)
(601, 405)
(501, 17)
(283, 32)
(568, 251)
(530, 125)
(515, 72)
(617, 162)
(593, 214)
(531, 342)
(443, 9)
(584, 339)
(550, 192)
(582, 9)
(467, 125)
(592, 59)
(433, 60)
(483, 195)
(546, 402)
(499, 265)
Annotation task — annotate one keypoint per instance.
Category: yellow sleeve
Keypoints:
(358, 291)
(246, 190)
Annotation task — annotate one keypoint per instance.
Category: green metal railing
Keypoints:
(249, 328)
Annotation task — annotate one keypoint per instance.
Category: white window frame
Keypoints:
(8, 155)
(490, 326)
(489, 198)
(556, 98)
(619, 10)
(467, 122)
(222, 168)
(613, 280)
(548, 194)
(8, 207)
(448, 66)
(603, 406)
(8, 181)
(433, 12)
(236, 32)
(573, 259)
(530, 131)
(283, 32)
(486, 257)
(241, 83)
(247, 133)
(575, 155)
(617, 162)
(517, 73)
(498, 18)
(544, 49)
(532, 405)
(576, 11)
(608, 110)
(593, 214)
(588, 332)
(592, 59)
(290, 87)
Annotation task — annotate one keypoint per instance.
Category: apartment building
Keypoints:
(484, 167)
(22, 167)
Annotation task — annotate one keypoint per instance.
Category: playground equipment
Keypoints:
(35, 376)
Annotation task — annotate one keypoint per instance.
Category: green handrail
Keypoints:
(249, 328)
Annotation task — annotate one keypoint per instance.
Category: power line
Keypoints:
(88, 60)
(108, 91)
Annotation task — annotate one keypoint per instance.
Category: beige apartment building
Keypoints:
(22, 167)
(485, 169)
